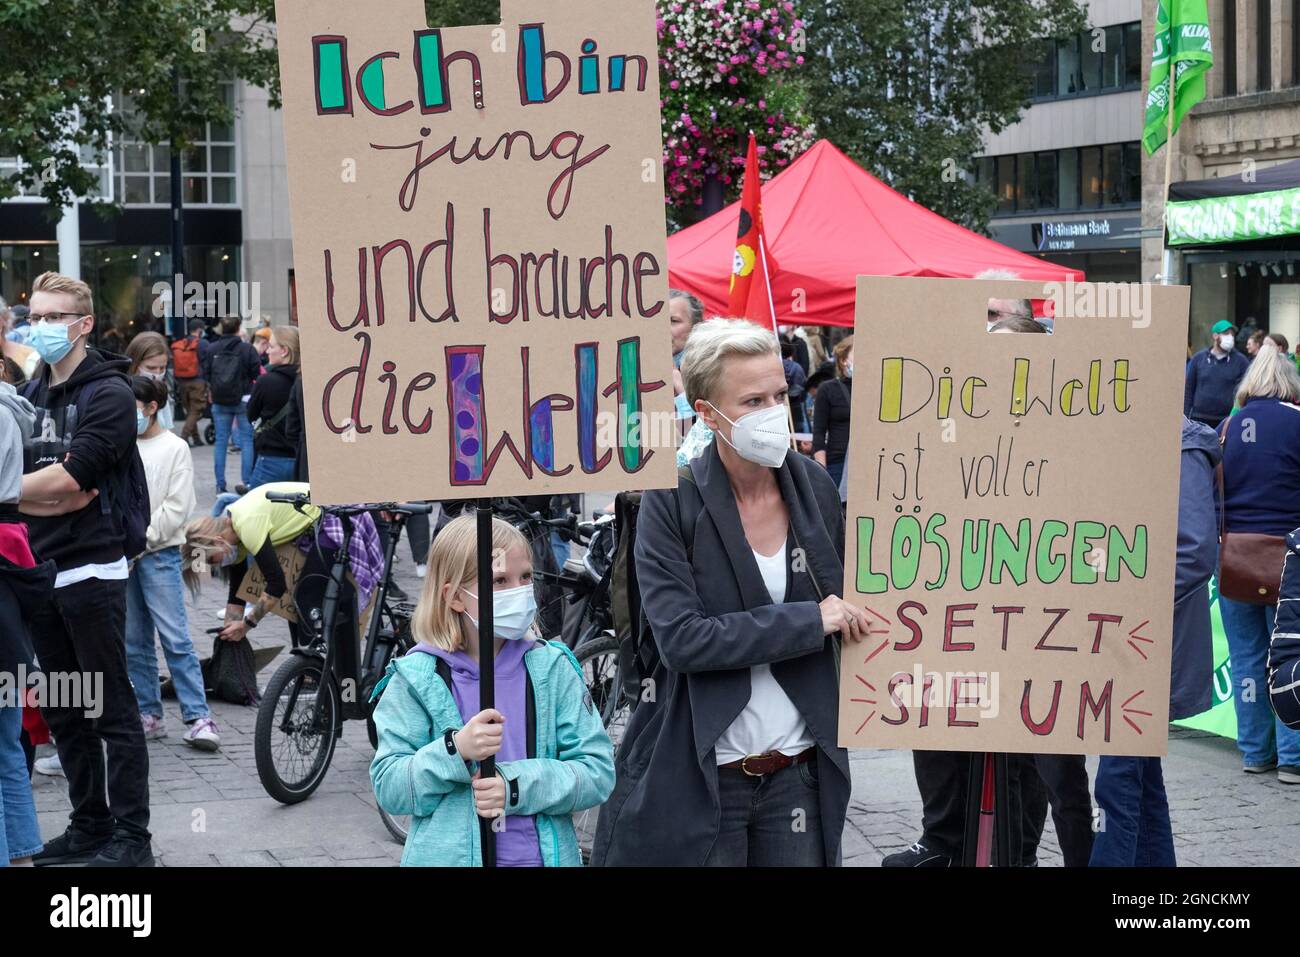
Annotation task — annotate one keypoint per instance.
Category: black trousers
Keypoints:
(417, 536)
(1035, 780)
(81, 631)
(1060, 780)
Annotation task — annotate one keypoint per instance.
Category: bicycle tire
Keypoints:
(399, 825)
(297, 668)
(605, 688)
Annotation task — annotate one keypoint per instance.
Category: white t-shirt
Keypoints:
(770, 721)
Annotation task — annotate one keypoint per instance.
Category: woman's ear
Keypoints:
(451, 597)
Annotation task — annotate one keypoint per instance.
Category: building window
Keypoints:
(1090, 196)
(1109, 61)
(101, 167)
(208, 174)
(1229, 47)
(1068, 161)
(1091, 177)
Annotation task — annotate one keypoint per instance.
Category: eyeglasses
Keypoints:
(55, 317)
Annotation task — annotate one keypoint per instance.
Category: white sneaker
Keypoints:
(202, 734)
(155, 728)
(421, 571)
(49, 766)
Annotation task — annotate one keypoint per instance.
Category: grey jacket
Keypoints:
(712, 620)
(16, 419)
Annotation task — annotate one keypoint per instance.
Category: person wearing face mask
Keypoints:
(269, 408)
(1212, 377)
(553, 757)
(740, 570)
(82, 448)
(148, 354)
(831, 413)
(155, 596)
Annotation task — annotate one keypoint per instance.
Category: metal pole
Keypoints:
(486, 659)
(177, 322)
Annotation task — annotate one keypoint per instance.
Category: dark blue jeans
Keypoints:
(771, 821)
(1135, 829)
(271, 468)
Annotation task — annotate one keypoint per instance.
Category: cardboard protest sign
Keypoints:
(1012, 518)
(479, 248)
(291, 561)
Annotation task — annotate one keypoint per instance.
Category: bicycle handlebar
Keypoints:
(299, 499)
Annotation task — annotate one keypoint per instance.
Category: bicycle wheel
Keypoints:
(598, 657)
(399, 825)
(294, 741)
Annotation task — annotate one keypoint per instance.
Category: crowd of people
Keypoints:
(99, 544)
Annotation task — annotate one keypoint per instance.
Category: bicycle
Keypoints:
(329, 675)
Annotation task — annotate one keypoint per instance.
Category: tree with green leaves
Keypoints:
(908, 87)
(65, 60)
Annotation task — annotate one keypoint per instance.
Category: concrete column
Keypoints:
(69, 236)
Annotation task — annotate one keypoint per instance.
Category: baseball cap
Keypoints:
(1222, 326)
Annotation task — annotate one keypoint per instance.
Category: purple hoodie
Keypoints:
(517, 845)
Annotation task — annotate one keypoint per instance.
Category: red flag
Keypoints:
(751, 289)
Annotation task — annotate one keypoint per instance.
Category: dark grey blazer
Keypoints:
(712, 620)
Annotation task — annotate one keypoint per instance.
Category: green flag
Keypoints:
(1182, 38)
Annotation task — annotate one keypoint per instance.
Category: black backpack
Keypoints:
(127, 488)
(638, 655)
(226, 378)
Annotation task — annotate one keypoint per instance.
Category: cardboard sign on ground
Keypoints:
(1012, 518)
(291, 561)
(479, 248)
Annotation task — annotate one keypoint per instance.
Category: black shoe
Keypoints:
(918, 855)
(396, 592)
(241, 489)
(119, 852)
(71, 847)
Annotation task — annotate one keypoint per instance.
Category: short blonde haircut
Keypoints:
(78, 290)
(453, 560)
(714, 341)
(1271, 375)
(287, 337)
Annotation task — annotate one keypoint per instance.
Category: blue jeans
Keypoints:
(560, 549)
(221, 418)
(155, 600)
(757, 821)
(1261, 738)
(1135, 831)
(836, 470)
(271, 468)
(20, 835)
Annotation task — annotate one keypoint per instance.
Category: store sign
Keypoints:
(1070, 235)
(1233, 219)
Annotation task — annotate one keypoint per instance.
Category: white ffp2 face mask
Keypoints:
(1226, 343)
(761, 436)
(513, 611)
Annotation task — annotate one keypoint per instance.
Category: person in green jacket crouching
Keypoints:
(553, 755)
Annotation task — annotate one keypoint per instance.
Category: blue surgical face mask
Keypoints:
(141, 423)
(683, 407)
(50, 340)
(513, 612)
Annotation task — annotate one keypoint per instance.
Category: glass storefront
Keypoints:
(1254, 293)
(122, 278)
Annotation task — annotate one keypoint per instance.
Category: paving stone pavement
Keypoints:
(211, 810)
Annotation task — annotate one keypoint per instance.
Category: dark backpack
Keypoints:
(126, 490)
(231, 673)
(227, 381)
(638, 655)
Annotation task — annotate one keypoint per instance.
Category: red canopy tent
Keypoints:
(829, 221)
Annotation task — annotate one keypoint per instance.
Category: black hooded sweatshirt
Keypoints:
(93, 441)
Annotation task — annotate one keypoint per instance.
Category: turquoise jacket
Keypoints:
(412, 773)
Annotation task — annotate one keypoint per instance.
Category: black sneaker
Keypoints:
(241, 489)
(71, 847)
(119, 852)
(918, 855)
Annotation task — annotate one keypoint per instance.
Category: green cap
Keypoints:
(1222, 326)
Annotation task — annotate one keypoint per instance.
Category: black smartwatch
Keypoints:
(449, 739)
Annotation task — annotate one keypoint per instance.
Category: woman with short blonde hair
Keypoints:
(740, 570)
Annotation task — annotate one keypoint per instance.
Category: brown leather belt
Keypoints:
(759, 765)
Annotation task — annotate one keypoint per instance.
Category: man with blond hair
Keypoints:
(76, 466)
